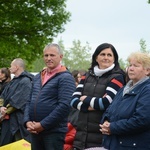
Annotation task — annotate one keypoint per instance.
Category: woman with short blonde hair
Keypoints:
(126, 124)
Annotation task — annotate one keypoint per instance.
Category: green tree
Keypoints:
(123, 64)
(143, 46)
(27, 25)
(38, 65)
(77, 57)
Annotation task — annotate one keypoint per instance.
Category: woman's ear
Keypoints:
(96, 59)
(147, 72)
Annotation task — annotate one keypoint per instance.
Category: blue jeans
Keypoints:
(52, 141)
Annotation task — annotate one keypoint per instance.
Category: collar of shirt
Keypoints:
(50, 74)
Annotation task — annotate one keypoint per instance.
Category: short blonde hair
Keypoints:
(141, 57)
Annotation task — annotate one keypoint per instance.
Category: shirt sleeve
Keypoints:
(101, 103)
(75, 102)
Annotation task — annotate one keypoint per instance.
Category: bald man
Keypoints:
(15, 96)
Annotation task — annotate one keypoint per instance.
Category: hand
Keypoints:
(90, 108)
(82, 98)
(30, 127)
(105, 128)
(38, 127)
(3, 111)
(34, 127)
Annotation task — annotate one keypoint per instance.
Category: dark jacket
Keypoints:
(88, 134)
(49, 103)
(16, 94)
(3, 84)
(129, 116)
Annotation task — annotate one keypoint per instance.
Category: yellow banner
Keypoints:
(19, 145)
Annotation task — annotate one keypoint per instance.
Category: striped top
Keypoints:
(96, 103)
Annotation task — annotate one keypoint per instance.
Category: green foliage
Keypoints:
(38, 65)
(143, 46)
(123, 64)
(78, 57)
(26, 26)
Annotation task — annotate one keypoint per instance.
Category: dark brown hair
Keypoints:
(6, 72)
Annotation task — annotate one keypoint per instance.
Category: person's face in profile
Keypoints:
(13, 67)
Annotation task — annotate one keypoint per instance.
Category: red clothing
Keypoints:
(70, 135)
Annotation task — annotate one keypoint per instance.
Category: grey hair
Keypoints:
(20, 62)
(54, 45)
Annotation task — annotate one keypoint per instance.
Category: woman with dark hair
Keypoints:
(94, 93)
(5, 77)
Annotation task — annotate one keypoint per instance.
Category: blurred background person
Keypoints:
(5, 77)
(80, 74)
(75, 76)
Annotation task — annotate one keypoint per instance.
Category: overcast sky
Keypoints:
(119, 22)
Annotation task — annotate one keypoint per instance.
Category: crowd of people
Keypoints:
(102, 108)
